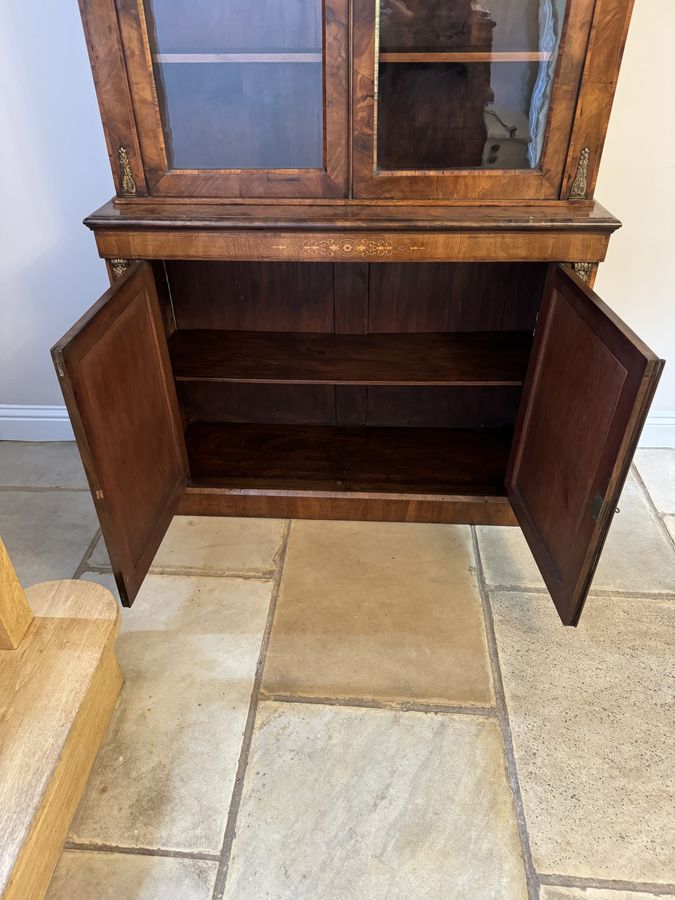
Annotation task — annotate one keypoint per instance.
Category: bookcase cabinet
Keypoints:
(351, 258)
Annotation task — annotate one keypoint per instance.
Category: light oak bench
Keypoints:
(59, 682)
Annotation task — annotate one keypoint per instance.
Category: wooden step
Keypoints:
(58, 689)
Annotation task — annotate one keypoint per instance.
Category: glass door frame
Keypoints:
(543, 183)
(329, 181)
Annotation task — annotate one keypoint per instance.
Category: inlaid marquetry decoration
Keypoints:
(118, 267)
(583, 270)
(126, 178)
(367, 249)
(580, 183)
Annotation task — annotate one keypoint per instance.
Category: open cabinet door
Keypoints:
(587, 392)
(115, 373)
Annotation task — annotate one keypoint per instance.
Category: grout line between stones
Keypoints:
(652, 506)
(192, 573)
(140, 851)
(392, 705)
(230, 828)
(504, 724)
(594, 592)
(608, 884)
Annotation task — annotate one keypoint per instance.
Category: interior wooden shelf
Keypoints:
(304, 56)
(470, 358)
(464, 56)
(440, 461)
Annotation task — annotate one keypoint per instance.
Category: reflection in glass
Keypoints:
(239, 88)
(463, 84)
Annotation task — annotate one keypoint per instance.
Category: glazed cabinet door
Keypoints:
(238, 99)
(115, 374)
(587, 392)
(466, 100)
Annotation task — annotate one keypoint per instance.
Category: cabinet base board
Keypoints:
(208, 501)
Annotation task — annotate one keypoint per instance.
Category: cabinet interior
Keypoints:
(366, 377)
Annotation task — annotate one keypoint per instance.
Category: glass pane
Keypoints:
(240, 84)
(465, 84)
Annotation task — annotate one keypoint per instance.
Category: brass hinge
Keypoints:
(126, 177)
(118, 267)
(99, 495)
(58, 363)
(583, 270)
(579, 187)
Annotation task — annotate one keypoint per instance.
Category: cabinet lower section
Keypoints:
(450, 393)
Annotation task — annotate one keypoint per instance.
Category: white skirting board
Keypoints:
(34, 423)
(50, 423)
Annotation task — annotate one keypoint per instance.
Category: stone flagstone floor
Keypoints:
(356, 711)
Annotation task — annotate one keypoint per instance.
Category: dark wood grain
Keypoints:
(414, 297)
(273, 403)
(587, 393)
(250, 296)
(314, 457)
(347, 505)
(114, 370)
(168, 214)
(470, 358)
(106, 55)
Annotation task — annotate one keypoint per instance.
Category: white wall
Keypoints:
(54, 171)
(637, 184)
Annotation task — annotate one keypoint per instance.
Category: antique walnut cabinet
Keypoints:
(351, 256)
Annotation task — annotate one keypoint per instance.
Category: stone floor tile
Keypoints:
(208, 544)
(85, 875)
(591, 712)
(384, 611)
(551, 892)
(49, 464)
(164, 777)
(637, 556)
(46, 532)
(670, 525)
(657, 470)
(349, 804)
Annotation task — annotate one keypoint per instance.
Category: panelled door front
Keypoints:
(239, 99)
(456, 99)
(115, 374)
(586, 395)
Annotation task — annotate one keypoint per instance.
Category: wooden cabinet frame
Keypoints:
(465, 184)
(118, 50)
(120, 55)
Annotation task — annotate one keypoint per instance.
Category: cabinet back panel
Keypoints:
(356, 297)
(442, 407)
(273, 404)
(414, 297)
(292, 404)
(252, 296)
(353, 298)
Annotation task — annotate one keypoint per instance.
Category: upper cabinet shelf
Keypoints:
(304, 56)
(425, 56)
(468, 101)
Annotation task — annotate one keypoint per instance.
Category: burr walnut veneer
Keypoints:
(351, 256)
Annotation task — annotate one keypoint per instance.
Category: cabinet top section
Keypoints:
(352, 231)
(440, 101)
(348, 217)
